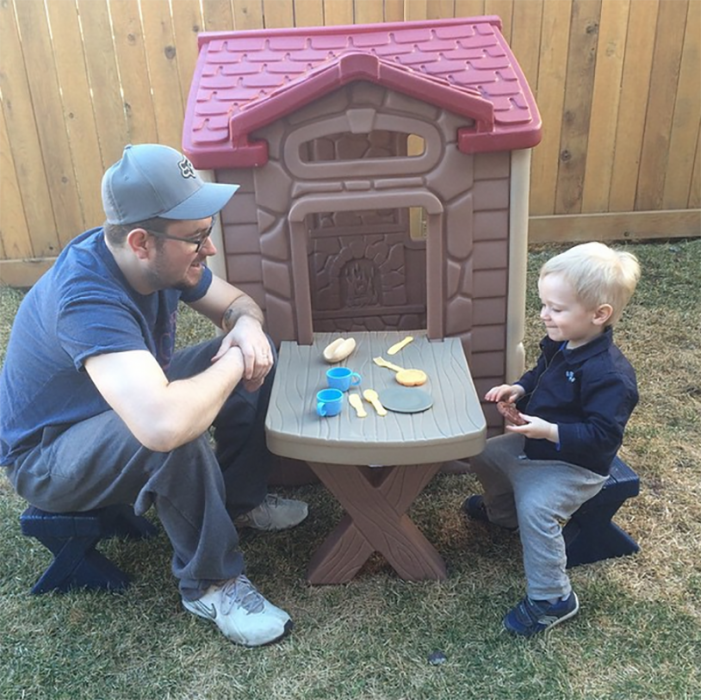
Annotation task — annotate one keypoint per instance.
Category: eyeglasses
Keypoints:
(197, 242)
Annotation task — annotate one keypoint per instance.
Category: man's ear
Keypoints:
(138, 242)
(602, 314)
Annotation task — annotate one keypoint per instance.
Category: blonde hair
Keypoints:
(598, 275)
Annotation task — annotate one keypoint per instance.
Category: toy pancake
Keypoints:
(405, 377)
(510, 412)
(411, 377)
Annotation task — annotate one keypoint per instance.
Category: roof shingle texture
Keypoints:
(246, 80)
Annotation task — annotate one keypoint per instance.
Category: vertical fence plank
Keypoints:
(248, 14)
(24, 145)
(368, 12)
(695, 188)
(581, 64)
(15, 241)
(130, 55)
(469, 8)
(78, 108)
(685, 124)
(309, 13)
(635, 87)
(46, 102)
(550, 94)
(526, 38)
(415, 10)
(187, 24)
(217, 15)
(162, 71)
(504, 9)
(660, 110)
(100, 58)
(604, 105)
(278, 13)
(338, 12)
(393, 10)
(440, 9)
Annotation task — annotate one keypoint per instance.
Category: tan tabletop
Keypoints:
(340, 449)
(454, 427)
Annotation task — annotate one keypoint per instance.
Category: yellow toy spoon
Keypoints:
(371, 396)
(398, 346)
(357, 403)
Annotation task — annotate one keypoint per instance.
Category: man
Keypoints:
(96, 408)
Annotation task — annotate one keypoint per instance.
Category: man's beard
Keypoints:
(159, 279)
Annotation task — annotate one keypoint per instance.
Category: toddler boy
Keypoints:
(576, 402)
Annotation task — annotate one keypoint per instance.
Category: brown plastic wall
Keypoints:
(319, 236)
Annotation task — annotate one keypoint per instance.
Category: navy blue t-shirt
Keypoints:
(83, 306)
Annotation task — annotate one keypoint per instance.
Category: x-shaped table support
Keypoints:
(375, 500)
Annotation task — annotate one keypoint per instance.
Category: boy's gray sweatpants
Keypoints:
(537, 496)
(196, 493)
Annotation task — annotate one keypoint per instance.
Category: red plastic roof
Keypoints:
(246, 80)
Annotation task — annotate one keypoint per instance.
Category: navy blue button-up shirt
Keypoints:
(589, 392)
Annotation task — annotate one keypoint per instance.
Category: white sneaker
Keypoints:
(274, 513)
(242, 614)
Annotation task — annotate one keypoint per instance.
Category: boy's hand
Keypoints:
(536, 429)
(505, 392)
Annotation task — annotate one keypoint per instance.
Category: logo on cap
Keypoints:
(186, 168)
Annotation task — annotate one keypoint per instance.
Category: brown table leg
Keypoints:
(375, 500)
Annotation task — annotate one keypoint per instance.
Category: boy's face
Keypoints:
(565, 318)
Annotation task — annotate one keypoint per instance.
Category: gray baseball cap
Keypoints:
(152, 180)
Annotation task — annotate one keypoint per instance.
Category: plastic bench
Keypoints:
(72, 538)
(590, 534)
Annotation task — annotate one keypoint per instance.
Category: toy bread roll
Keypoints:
(339, 350)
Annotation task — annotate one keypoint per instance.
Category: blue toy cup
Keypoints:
(342, 378)
(329, 402)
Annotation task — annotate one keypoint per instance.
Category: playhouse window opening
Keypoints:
(375, 144)
(418, 224)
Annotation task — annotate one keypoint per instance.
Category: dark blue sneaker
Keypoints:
(530, 617)
(473, 507)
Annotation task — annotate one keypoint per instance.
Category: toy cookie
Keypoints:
(510, 412)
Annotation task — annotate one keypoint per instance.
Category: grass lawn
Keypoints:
(638, 634)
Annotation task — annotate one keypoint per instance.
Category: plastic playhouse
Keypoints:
(384, 173)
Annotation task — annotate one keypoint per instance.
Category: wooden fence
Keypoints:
(618, 83)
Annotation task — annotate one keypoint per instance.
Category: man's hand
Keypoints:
(242, 320)
(247, 334)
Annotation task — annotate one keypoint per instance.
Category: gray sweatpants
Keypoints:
(196, 491)
(537, 496)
